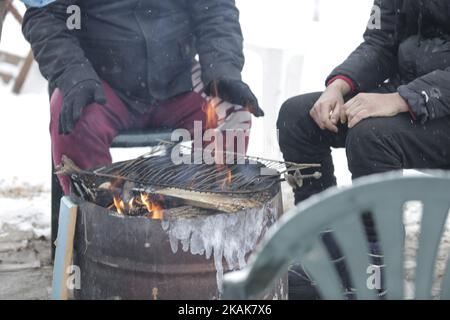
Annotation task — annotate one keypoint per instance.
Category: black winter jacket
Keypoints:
(412, 50)
(144, 49)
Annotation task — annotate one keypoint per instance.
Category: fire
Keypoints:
(212, 122)
(211, 116)
(158, 212)
(131, 204)
(145, 200)
(118, 203)
(137, 204)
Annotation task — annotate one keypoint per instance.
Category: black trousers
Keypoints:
(375, 145)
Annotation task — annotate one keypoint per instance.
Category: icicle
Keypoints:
(229, 237)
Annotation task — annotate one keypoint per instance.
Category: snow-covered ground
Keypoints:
(25, 147)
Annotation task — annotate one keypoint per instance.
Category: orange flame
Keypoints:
(131, 204)
(211, 116)
(135, 204)
(145, 200)
(158, 212)
(120, 206)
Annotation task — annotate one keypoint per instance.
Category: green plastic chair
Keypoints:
(296, 237)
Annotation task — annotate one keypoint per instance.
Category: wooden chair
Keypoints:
(22, 63)
(2, 15)
(297, 237)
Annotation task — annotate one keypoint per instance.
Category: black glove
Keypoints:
(79, 97)
(236, 92)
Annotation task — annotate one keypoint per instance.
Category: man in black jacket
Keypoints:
(388, 104)
(131, 65)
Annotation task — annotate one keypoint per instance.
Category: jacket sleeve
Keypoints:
(56, 49)
(219, 38)
(375, 60)
(429, 95)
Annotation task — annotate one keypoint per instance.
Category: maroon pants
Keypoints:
(88, 144)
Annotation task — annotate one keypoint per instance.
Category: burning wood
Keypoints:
(139, 205)
(210, 201)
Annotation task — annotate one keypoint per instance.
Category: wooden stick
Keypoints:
(2, 15)
(210, 201)
(11, 8)
(23, 73)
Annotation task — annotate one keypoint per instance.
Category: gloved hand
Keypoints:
(79, 97)
(236, 92)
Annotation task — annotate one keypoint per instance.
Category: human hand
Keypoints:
(370, 105)
(236, 92)
(328, 110)
(79, 97)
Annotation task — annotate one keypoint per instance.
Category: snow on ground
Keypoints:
(25, 208)
(25, 148)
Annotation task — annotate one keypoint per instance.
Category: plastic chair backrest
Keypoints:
(297, 237)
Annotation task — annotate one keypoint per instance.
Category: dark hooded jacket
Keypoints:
(144, 49)
(411, 49)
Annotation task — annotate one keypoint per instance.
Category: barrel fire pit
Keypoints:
(183, 256)
(151, 229)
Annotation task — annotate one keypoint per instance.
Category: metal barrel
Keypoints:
(122, 257)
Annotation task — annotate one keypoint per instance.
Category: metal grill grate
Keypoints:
(159, 171)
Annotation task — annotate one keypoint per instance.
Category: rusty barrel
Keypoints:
(180, 257)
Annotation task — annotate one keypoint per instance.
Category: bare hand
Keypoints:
(371, 105)
(328, 110)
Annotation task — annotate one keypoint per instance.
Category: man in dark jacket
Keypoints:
(388, 104)
(131, 65)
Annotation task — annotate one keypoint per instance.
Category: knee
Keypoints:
(294, 114)
(56, 106)
(362, 135)
(364, 143)
(286, 111)
(293, 110)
